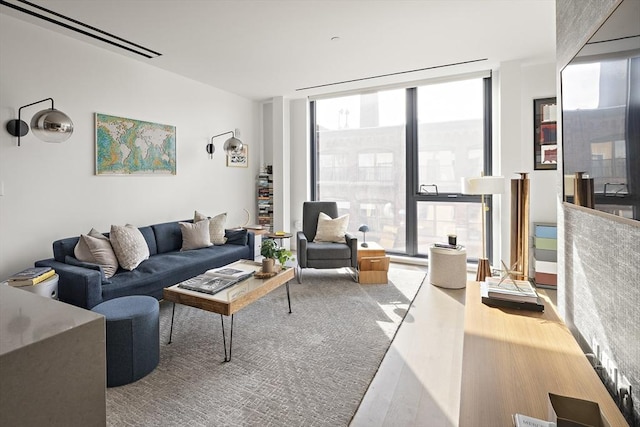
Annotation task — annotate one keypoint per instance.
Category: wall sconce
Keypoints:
(364, 228)
(48, 125)
(231, 145)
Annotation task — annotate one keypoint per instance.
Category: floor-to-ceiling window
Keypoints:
(394, 159)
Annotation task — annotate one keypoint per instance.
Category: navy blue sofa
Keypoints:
(85, 286)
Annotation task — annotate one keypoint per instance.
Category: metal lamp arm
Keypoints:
(29, 105)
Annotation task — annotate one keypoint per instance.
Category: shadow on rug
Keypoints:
(311, 367)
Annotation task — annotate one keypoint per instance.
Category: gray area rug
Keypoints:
(308, 368)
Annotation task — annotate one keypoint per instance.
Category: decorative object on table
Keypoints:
(545, 142)
(447, 267)
(134, 147)
(583, 191)
(545, 255)
(452, 239)
(520, 225)
(506, 303)
(271, 251)
(364, 228)
(483, 185)
(49, 125)
(239, 158)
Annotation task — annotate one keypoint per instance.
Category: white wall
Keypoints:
(519, 84)
(51, 191)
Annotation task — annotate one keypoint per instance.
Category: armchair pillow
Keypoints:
(129, 246)
(195, 235)
(331, 230)
(216, 226)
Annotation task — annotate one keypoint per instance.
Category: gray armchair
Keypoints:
(311, 254)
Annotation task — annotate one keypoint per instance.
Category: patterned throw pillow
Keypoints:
(331, 230)
(216, 226)
(129, 245)
(195, 235)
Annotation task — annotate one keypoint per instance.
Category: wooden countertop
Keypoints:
(512, 359)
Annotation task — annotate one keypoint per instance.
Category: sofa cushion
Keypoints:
(168, 236)
(195, 235)
(102, 253)
(237, 237)
(150, 238)
(129, 245)
(331, 229)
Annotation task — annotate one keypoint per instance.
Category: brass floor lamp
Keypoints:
(483, 185)
(520, 226)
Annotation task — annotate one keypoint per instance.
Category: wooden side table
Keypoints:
(373, 264)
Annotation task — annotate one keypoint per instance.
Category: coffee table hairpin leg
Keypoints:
(224, 340)
(173, 313)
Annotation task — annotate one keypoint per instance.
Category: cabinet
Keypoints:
(265, 201)
(373, 264)
(545, 256)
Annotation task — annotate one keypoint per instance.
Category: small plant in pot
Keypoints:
(271, 251)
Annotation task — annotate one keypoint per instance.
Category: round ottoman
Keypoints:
(448, 267)
(133, 337)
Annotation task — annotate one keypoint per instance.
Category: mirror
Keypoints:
(601, 117)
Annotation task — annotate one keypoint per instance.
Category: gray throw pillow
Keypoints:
(82, 252)
(102, 253)
(195, 235)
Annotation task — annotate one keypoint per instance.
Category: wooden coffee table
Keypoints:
(230, 300)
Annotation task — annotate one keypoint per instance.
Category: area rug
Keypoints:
(308, 368)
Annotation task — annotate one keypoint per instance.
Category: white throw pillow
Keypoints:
(129, 245)
(216, 226)
(331, 230)
(195, 235)
(101, 253)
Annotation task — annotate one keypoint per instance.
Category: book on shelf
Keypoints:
(520, 420)
(31, 276)
(538, 305)
(511, 289)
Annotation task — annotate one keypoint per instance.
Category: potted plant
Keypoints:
(271, 251)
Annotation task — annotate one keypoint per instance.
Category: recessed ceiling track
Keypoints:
(394, 74)
(79, 27)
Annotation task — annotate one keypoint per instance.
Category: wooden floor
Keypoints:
(418, 382)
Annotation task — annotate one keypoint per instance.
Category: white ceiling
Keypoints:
(262, 49)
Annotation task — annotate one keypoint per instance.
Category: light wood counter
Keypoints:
(512, 359)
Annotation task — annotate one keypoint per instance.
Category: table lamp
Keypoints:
(364, 228)
(483, 185)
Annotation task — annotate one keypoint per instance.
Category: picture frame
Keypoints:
(545, 126)
(239, 159)
(125, 146)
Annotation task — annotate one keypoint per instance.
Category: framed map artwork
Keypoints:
(127, 147)
(239, 159)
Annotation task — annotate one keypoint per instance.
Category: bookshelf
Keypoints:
(265, 201)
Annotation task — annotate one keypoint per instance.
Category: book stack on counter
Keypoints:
(510, 293)
(31, 276)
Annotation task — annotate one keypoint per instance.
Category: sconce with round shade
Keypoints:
(231, 145)
(483, 185)
(49, 125)
(364, 228)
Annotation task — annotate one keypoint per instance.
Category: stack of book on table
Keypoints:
(510, 293)
(217, 279)
(31, 276)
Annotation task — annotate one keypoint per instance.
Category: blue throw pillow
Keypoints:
(74, 261)
(237, 237)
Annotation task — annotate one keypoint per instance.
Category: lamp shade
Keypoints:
(51, 125)
(483, 185)
(364, 228)
(232, 145)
